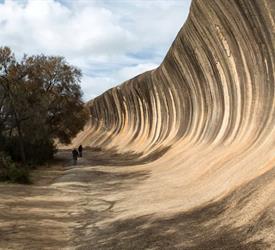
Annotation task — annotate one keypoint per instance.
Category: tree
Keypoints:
(40, 100)
(11, 95)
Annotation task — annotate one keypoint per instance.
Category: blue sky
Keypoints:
(111, 41)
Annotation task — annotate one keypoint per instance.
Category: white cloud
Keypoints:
(51, 27)
(130, 72)
(110, 41)
(94, 86)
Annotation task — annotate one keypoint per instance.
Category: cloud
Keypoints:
(51, 27)
(94, 86)
(110, 41)
(130, 72)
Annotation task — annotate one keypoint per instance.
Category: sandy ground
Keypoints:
(64, 204)
(83, 207)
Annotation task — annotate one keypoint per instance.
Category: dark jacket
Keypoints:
(75, 154)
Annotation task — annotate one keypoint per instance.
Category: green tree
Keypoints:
(40, 100)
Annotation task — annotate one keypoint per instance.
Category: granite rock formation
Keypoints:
(203, 122)
(215, 86)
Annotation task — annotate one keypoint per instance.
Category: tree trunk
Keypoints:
(21, 142)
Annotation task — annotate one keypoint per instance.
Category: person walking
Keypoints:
(80, 150)
(75, 155)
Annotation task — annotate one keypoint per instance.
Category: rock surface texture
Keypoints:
(203, 125)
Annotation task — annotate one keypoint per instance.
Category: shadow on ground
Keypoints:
(110, 157)
(78, 209)
(190, 230)
(212, 226)
(46, 214)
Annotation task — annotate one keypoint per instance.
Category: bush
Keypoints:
(18, 175)
(10, 171)
(36, 153)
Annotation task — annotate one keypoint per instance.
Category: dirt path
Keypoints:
(90, 206)
(64, 204)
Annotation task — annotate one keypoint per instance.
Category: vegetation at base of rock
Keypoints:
(13, 172)
(36, 153)
(40, 102)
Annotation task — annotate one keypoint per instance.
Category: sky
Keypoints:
(111, 41)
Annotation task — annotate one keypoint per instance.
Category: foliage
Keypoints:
(40, 101)
(10, 171)
(36, 152)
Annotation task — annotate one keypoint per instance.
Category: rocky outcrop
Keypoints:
(215, 86)
(204, 120)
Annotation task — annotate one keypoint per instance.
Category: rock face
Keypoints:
(204, 120)
(215, 86)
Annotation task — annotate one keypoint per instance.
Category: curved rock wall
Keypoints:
(215, 86)
(203, 121)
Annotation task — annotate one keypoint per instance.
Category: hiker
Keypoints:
(80, 150)
(75, 155)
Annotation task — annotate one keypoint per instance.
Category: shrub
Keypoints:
(10, 171)
(37, 152)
